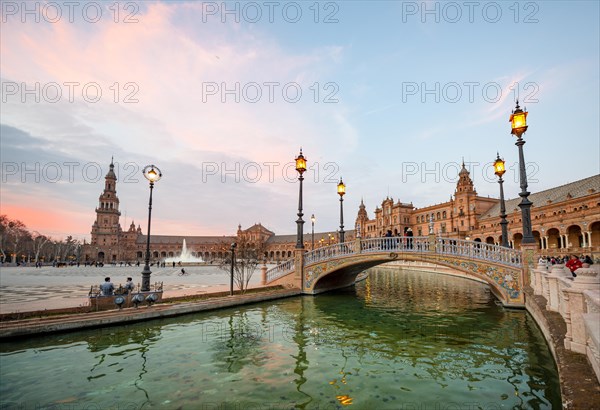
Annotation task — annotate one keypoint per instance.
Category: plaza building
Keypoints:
(455, 218)
(565, 219)
(111, 244)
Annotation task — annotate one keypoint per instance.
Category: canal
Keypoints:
(398, 340)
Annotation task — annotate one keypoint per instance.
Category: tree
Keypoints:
(16, 239)
(3, 236)
(14, 236)
(38, 243)
(247, 257)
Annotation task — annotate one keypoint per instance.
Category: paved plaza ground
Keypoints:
(25, 289)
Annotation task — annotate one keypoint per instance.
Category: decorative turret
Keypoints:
(361, 219)
(464, 184)
(362, 211)
(463, 206)
(110, 178)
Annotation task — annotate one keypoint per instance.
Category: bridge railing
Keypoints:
(330, 252)
(478, 250)
(280, 270)
(417, 244)
(395, 244)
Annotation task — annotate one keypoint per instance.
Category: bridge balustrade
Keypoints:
(280, 270)
(395, 244)
(444, 246)
(417, 244)
(478, 250)
(329, 252)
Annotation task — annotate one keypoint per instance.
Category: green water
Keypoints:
(399, 340)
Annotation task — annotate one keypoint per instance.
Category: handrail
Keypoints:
(479, 250)
(416, 244)
(395, 244)
(329, 252)
(280, 270)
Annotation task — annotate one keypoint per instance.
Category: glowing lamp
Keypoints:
(518, 119)
(499, 168)
(341, 188)
(300, 163)
(152, 173)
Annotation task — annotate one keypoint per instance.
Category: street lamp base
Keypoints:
(146, 279)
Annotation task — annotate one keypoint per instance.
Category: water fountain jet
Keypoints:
(185, 257)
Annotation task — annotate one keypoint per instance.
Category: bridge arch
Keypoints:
(504, 282)
(338, 265)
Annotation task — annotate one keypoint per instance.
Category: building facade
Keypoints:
(455, 218)
(565, 219)
(111, 244)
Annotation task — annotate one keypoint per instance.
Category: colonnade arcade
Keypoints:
(581, 238)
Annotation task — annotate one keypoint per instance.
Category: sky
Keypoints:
(392, 96)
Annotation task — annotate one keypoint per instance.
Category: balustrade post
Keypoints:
(431, 242)
(528, 250)
(299, 268)
(263, 274)
(357, 244)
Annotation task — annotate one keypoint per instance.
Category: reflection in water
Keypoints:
(398, 340)
(300, 359)
(136, 343)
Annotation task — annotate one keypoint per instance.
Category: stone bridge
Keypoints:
(336, 266)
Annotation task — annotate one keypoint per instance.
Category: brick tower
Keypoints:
(106, 230)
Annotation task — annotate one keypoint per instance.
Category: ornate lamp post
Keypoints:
(341, 190)
(152, 174)
(313, 219)
(300, 167)
(499, 169)
(518, 120)
(233, 246)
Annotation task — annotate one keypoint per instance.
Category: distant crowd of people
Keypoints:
(572, 262)
(97, 264)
